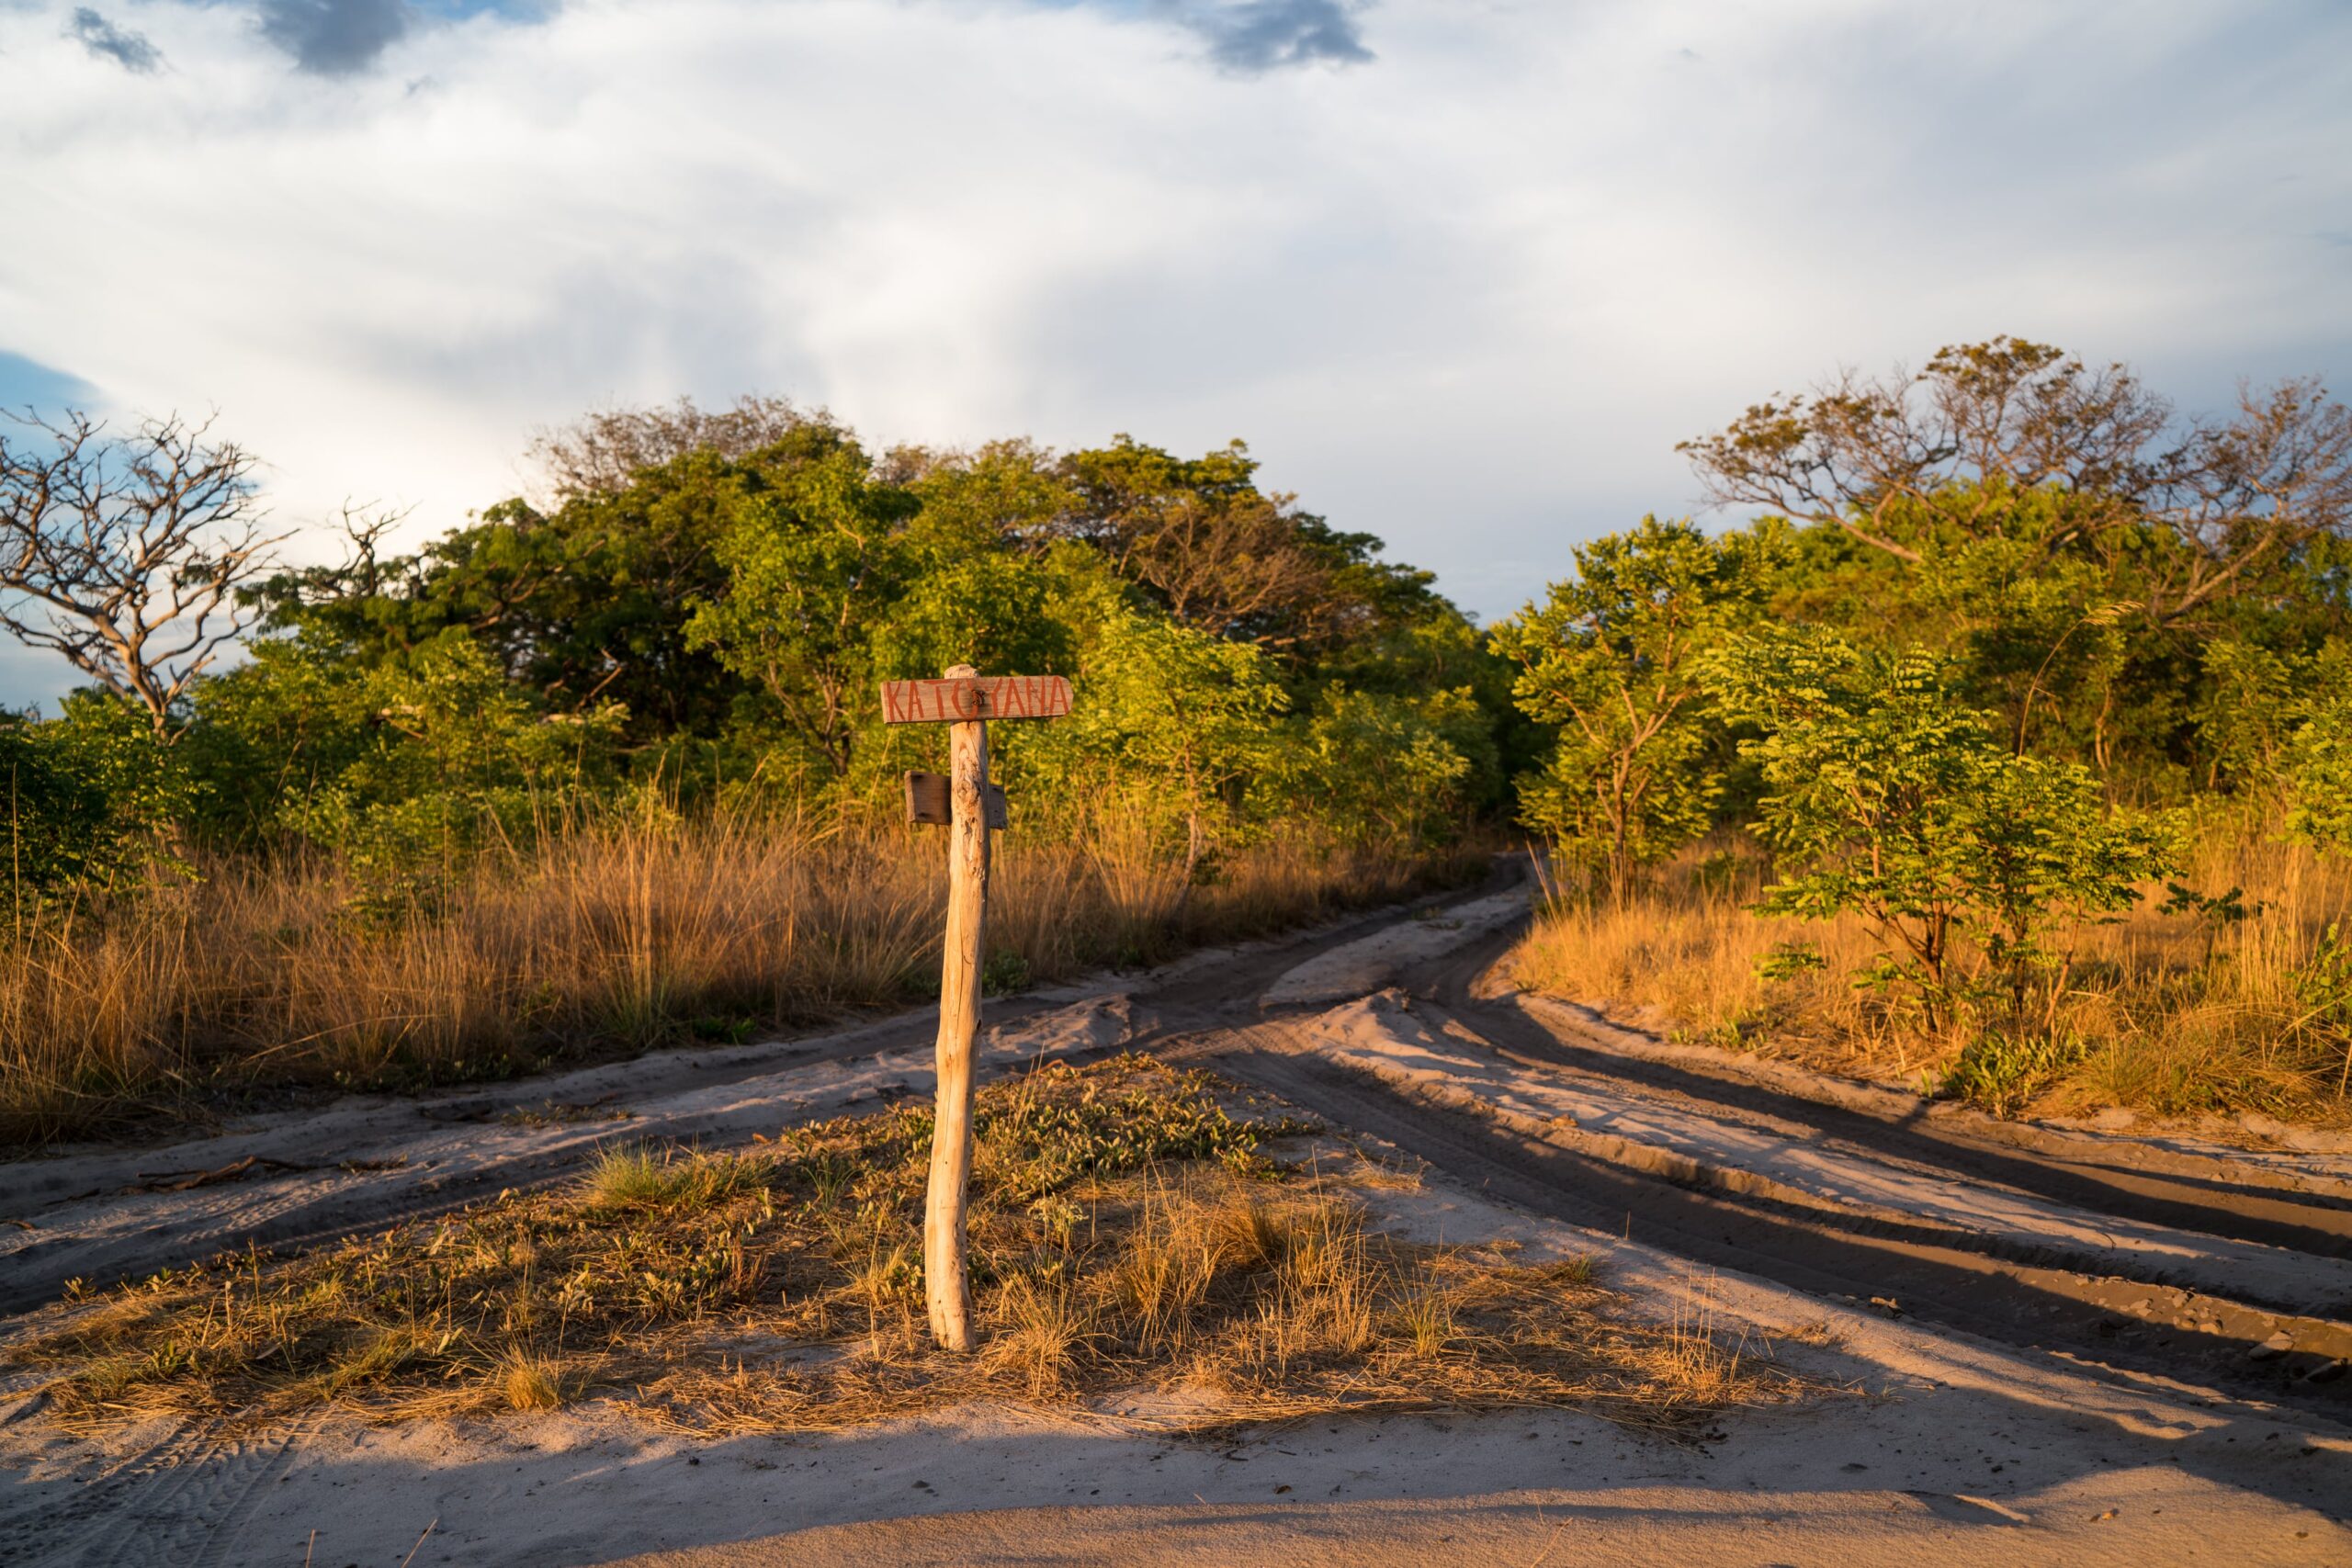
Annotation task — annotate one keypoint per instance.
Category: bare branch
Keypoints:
(125, 554)
(2234, 495)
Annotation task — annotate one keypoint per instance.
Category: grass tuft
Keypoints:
(530, 1382)
(670, 1179)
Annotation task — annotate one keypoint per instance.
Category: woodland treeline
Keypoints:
(703, 608)
(2001, 642)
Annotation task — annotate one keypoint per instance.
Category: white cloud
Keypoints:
(1465, 294)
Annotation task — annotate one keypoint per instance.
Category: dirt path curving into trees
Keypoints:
(2229, 1270)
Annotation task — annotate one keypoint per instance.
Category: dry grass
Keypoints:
(2160, 1013)
(606, 935)
(1129, 1235)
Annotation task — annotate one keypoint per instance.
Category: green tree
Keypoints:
(1168, 722)
(1375, 767)
(589, 604)
(265, 735)
(969, 599)
(1613, 658)
(2319, 754)
(401, 763)
(2246, 714)
(812, 563)
(2005, 504)
(1219, 554)
(2277, 726)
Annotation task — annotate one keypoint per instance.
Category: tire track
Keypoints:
(2121, 1177)
(184, 1500)
(1924, 1275)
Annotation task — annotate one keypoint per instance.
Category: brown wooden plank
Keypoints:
(959, 698)
(930, 798)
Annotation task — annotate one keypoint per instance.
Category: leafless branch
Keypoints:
(2234, 494)
(125, 554)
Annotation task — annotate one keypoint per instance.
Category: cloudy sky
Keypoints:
(1462, 272)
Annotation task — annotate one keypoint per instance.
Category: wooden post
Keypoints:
(964, 702)
(946, 1278)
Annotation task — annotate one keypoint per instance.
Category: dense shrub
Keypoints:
(94, 800)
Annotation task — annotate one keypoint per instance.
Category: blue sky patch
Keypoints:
(29, 383)
(1254, 36)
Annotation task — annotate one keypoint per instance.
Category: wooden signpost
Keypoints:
(965, 700)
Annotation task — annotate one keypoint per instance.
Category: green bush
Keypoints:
(93, 799)
(2319, 754)
(2000, 1072)
(1892, 800)
(403, 765)
(2324, 987)
(1375, 768)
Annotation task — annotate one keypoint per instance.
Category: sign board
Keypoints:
(931, 798)
(966, 697)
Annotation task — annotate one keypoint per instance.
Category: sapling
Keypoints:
(1887, 797)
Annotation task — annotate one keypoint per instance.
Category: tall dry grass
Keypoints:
(2162, 1013)
(615, 933)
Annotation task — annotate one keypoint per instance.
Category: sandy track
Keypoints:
(1796, 1170)
(290, 1180)
(1630, 1527)
(2157, 1291)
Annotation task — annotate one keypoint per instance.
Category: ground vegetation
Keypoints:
(1139, 1235)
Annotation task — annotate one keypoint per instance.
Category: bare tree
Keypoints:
(1856, 447)
(1222, 554)
(2234, 495)
(1237, 565)
(125, 553)
(365, 571)
(598, 454)
(2240, 492)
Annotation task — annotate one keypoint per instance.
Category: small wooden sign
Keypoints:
(931, 798)
(969, 697)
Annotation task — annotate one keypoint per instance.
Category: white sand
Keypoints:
(1370, 962)
(1378, 1036)
(2308, 1159)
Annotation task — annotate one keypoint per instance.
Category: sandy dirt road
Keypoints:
(2071, 1346)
